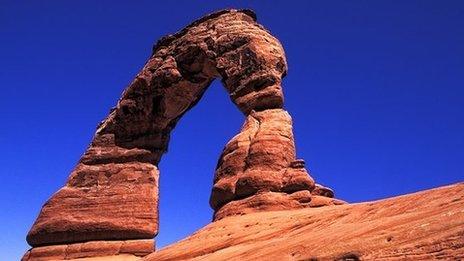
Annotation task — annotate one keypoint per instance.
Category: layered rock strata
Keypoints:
(115, 250)
(106, 201)
(258, 169)
(112, 194)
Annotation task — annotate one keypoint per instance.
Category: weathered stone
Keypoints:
(112, 194)
(264, 201)
(106, 201)
(296, 179)
(320, 190)
(124, 250)
(261, 158)
(321, 201)
(427, 225)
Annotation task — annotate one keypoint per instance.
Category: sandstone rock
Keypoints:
(112, 194)
(227, 44)
(265, 201)
(427, 225)
(320, 190)
(261, 158)
(117, 250)
(321, 201)
(106, 201)
(296, 179)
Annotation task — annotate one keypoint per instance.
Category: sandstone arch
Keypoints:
(112, 194)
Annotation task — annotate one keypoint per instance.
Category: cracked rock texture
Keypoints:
(261, 160)
(112, 194)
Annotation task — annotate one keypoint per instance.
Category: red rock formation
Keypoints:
(428, 225)
(112, 194)
(114, 250)
(258, 168)
(101, 202)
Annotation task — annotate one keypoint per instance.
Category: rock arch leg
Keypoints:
(258, 169)
(112, 194)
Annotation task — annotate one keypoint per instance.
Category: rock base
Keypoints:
(100, 202)
(428, 225)
(273, 201)
(93, 250)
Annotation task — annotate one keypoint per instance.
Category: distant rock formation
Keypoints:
(112, 194)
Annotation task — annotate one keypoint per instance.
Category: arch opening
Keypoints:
(187, 168)
(112, 194)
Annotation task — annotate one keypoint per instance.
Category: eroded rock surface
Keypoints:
(112, 194)
(97, 250)
(428, 225)
(101, 202)
(261, 159)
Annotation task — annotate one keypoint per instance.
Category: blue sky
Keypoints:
(375, 89)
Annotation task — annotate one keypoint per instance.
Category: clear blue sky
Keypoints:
(375, 88)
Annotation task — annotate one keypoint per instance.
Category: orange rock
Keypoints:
(111, 197)
(261, 158)
(112, 194)
(427, 225)
(108, 201)
(112, 250)
(320, 190)
(113, 191)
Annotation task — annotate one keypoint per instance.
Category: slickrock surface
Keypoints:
(112, 194)
(422, 226)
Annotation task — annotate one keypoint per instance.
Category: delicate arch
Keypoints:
(112, 194)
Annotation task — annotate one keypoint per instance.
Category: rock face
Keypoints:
(264, 145)
(108, 208)
(112, 250)
(258, 168)
(112, 194)
(427, 225)
(107, 201)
